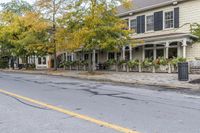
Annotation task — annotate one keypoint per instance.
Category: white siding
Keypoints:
(189, 13)
(193, 51)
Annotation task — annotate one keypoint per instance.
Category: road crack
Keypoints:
(24, 103)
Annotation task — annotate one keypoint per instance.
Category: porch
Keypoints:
(165, 47)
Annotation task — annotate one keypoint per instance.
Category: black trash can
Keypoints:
(183, 74)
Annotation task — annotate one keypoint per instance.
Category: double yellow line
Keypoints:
(73, 114)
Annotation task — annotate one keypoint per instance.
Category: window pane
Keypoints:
(39, 60)
(172, 52)
(86, 56)
(169, 19)
(69, 58)
(159, 53)
(133, 24)
(150, 23)
(44, 61)
(149, 46)
(111, 56)
(149, 54)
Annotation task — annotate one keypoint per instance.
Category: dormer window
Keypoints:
(133, 24)
(169, 19)
(150, 23)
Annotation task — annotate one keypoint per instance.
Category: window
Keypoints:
(44, 60)
(133, 24)
(150, 23)
(149, 54)
(39, 60)
(149, 46)
(169, 19)
(69, 58)
(111, 56)
(173, 52)
(160, 53)
(86, 57)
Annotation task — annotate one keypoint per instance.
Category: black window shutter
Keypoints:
(143, 24)
(158, 21)
(176, 17)
(138, 24)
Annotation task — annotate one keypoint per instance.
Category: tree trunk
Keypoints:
(90, 63)
(93, 60)
(54, 30)
(55, 61)
(26, 62)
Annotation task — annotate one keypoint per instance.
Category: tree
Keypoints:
(27, 33)
(51, 9)
(93, 24)
(195, 29)
(16, 6)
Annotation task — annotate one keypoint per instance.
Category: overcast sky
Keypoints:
(3, 1)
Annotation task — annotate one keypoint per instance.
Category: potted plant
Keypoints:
(160, 63)
(109, 63)
(84, 64)
(132, 64)
(122, 64)
(147, 63)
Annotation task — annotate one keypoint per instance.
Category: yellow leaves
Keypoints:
(34, 22)
(127, 3)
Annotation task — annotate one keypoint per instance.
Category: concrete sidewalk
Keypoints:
(154, 79)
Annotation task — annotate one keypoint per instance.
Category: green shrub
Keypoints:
(3, 63)
(30, 66)
(122, 62)
(110, 62)
(133, 63)
(161, 61)
(147, 63)
(66, 64)
(174, 61)
(84, 63)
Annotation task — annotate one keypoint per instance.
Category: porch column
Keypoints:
(154, 52)
(66, 56)
(123, 53)
(179, 49)
(123, 58)
(82, 56)
(94, 60)
(167, 50)
(72, 56)
(184, 48)
(107, 55)
(143, 53)
(115, 55)
(130, 52)
(167, 56)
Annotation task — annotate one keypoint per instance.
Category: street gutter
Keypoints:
(153, 86)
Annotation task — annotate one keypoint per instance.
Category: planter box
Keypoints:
(148, 69)
(162, 69)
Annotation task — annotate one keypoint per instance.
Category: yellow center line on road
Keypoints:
(68, 112)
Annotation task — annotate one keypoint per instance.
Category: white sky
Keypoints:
(3, 1)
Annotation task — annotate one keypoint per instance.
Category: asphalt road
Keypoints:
(137, 108)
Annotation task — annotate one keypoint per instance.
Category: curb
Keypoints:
(165, 87)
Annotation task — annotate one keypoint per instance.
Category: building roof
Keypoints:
(140, 5)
